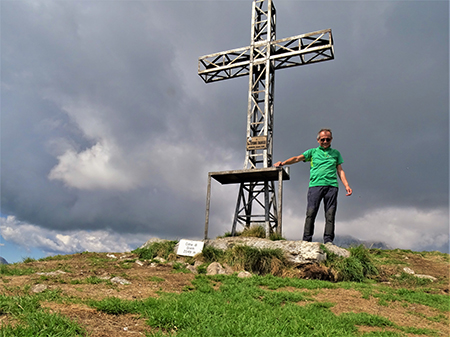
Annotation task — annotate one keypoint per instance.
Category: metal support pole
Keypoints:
(267, 208)
(208, 203)
(280, 200)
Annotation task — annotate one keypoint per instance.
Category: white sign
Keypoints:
(257, 143)
(189, 247)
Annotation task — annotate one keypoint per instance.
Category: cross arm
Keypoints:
(302, 49)
(224, 65)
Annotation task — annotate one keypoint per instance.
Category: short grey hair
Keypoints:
(322, 130)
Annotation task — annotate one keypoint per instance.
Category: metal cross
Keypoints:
(259, 61)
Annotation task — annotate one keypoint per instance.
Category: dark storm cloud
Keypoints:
(107, 126)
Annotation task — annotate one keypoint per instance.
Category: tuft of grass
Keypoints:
(180, 268)
(95, 280)
(211, 254)
(203, 268)
(276, 237)
(259, 261)
(254, 232)
(355, 268)
(160, 249)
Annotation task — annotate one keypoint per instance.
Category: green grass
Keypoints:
(221, 305)
(405, 279)
(356, 268)
(257, 306)
(56, 258)
(239, 308)
(259, 261)
(34, 321)
(224, 305)
(17, 269)
(255, 260)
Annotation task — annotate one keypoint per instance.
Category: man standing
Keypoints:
(326, 165)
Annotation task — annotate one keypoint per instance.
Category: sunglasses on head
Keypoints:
(325, 139)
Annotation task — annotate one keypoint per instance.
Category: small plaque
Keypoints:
(257, 143)
(189, 247)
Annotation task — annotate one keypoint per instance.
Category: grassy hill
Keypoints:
(124, 294)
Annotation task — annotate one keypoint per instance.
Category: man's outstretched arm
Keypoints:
(290, 161)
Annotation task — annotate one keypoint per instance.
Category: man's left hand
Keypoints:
(349, 191)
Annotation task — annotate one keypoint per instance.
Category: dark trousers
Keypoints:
(315, 196)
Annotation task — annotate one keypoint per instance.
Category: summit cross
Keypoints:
(259, 61)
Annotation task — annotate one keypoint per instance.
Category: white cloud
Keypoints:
(56, 242)
(405, 228)
(92, 169)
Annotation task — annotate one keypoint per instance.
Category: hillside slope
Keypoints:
(73, 281)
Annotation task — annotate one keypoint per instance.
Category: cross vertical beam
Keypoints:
(261, 85)
(256, 202)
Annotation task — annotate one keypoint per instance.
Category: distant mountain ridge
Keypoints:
(3, 261)
(346, 241)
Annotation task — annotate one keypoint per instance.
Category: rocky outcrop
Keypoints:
(297, 252)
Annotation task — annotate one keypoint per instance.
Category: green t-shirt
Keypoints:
(323, 166)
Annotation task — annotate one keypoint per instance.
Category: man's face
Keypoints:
(325, 139)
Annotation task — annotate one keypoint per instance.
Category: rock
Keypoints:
(139, 263)
(244, 274)
(126, 256)
(192, 269)
(337, 250)
(408, 271)
(52, 273)
(152, 240)
(426, 277)
(215, 269)
(111, 256)
(296, 252)
(38, 288)
(119, 280)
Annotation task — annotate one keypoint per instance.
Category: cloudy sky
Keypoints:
(108, 133)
